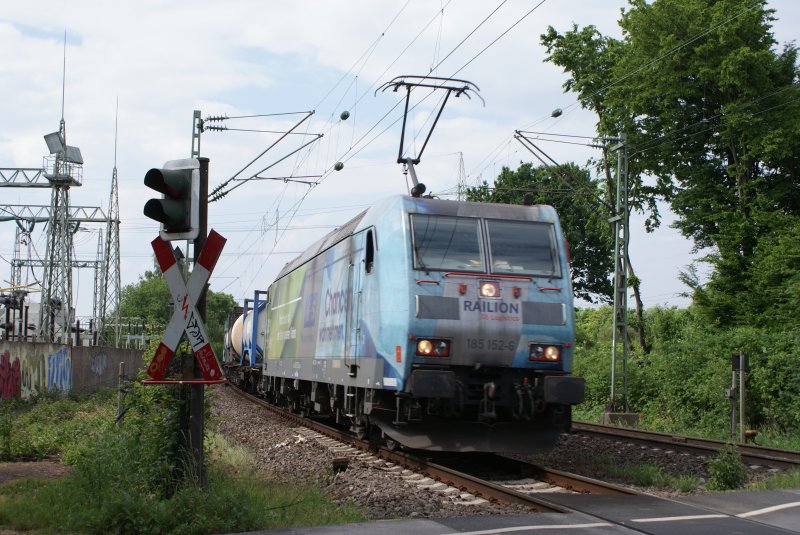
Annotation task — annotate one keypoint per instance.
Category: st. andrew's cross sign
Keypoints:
(185, 318)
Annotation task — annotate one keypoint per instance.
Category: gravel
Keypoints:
(590, 457)
(297, 456)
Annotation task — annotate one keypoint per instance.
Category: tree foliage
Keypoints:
(148, 298)
(574, 195)
(709, 108)
(680, 385)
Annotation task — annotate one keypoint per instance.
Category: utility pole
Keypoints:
(197, 391)
(618, 410)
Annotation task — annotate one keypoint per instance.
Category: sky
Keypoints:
(132, 74)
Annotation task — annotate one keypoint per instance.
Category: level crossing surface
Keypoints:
(746, 513)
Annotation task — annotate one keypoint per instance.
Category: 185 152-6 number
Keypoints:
(491, 344)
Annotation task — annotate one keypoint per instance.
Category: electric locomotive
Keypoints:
(433, 324)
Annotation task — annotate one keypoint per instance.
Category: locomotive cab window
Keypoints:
(369, 260)
(522, 247)
(445, 243)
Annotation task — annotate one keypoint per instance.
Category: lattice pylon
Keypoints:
(99, 269)
(16, 272)
(55, 313)
(461, 184)
(110, 287)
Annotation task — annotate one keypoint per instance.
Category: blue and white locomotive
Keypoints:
(433, 324)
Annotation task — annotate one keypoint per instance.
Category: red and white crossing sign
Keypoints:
(185, 317)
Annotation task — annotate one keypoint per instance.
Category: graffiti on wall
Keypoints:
(98, 363)
(10, 377)
(34, 376)
(24, 375)
(59, 370)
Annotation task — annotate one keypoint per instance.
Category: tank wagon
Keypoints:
(432, 324)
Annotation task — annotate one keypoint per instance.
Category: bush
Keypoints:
(136, 480)
(679, 385)
(5, 438)
(726, 470)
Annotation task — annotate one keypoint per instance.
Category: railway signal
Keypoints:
(178, 209)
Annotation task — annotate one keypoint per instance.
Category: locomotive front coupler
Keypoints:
(523, 402)
(486, 410)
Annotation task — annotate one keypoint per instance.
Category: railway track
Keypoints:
(751, 454)
(508, 481)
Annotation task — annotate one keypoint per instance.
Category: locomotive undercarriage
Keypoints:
(479, 409)
(441, 409)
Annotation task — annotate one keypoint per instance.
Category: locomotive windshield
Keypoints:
(522, 247)
(446, 243)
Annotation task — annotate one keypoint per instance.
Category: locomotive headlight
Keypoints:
(424, 347)
(552, 353)
(427, 347)
(544, 353)
(490, 289)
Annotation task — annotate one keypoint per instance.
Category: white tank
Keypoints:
(235, 336)
(242, 330)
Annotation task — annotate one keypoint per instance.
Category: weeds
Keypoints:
(134, 479)
(788, 480)
(686, 483)
(646, 475)
(5, 438)
(726, 469)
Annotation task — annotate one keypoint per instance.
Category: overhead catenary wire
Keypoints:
(360, 144)
(369, 48)
(652, 62)
(665, 55)
(345, 156)
(473, 58)
(554, 167)
(218, 191)
(366, 54)
(377, 80)
(637, 149)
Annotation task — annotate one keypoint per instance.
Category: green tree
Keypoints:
(775, 281)
(149, 298)
(574, 195)
(589, 58)
(218, 307)
(709, 108)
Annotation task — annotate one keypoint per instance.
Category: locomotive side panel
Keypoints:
(387, 293)
(315, 330)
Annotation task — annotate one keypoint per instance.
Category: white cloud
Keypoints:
(163, 60)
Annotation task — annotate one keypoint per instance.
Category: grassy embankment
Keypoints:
(132, 480)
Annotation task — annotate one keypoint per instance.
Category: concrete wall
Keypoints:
(28, 368)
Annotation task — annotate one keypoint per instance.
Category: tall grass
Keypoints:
(51, 425)
(136, 479)
(788, 480)
(645, 475)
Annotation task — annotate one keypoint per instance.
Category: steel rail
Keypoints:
(749, 453)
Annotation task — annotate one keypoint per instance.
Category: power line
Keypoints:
(369, 48)
(668, 53)
(476, 56)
